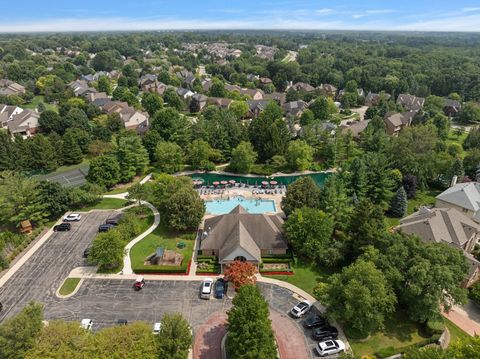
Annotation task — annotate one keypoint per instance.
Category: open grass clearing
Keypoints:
(107, 203)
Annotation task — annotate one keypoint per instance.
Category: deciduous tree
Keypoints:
(240, 273)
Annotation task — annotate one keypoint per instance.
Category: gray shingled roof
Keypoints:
(465, 195)
(446, 225)
(251, 232)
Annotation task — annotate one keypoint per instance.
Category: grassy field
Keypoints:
(399, 332)
(107, 203)
(121, 188)
(161, 237)
(306, 276)
(69, 286)
(36, 100)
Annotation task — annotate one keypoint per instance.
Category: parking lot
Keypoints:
(39, 278)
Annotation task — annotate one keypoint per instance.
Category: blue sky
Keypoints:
(89, 15)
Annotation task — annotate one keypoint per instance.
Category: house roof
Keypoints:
(356, 128)
(251, 232)
(411, 102)
(23, 121)
(464, 195)
(441, 225)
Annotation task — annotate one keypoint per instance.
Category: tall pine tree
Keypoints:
(398, 205)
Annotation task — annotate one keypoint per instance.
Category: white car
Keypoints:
(301, 308)
(156, 328)
(330, 347)
(206, 291)
(72, 217)
(86, 324)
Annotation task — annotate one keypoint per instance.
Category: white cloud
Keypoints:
(323, 11)
(380, 11)
(470, 9)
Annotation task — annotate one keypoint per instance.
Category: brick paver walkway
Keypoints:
(208, 337)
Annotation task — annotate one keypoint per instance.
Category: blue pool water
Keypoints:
(223, 206)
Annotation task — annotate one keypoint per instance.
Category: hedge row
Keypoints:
(389, 351)
(163, 269)
(276, 260)
(201, 257)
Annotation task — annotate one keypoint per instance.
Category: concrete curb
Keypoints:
(57, 293)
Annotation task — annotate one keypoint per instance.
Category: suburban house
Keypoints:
(354, 127)
(220, 102)
(465, 197)
(294, 108)
(8, 88)
(373, 99)
(328, 90)
(24, 123)
(98, 99)
(446, 225)
(154, 86)
(206, 84)
(81, 88)
(239, 235)
(6, 114)
(451, 108)
(255, 107)
(360, 93)
(254, 94)
(410, 102)
(198, 102)
(395, 122)
(130, 116)
(184, 93)
(279, 97)
(265, 81)
(303, 87)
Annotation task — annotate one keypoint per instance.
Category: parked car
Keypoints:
(86, 324)
(206, 290)
(122, 322)
(1, 306)
(156, 328)
(314, 321)
(86, 252)
(62, 227)
(114, 220)
(325, 333)
(220, 288)
(301, 309)
(72, 217)
(139, 283)
(105, 227)
(330, 347)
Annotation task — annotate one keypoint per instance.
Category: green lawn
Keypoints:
(69, 286)
(399, 332)
(36, 100)
(107, 203)
(452, 138)
(422, 198)
(161, 237)
(455, 332)
(306, 276)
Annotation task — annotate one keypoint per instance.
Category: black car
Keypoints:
(122, 322)
(86, 252)
(325, 333)
(114, 220)
(220, 288)
(314, 321)
(105, 227)
(62, 227)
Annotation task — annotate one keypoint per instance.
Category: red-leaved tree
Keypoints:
(241, 273)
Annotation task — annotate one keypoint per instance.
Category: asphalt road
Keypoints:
(39, 278)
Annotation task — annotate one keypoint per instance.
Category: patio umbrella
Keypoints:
(216, 183)
(265, 183)
(232, 181)
(224, 182)
(273, 183)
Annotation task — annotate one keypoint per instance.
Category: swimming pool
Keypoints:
(222, 206)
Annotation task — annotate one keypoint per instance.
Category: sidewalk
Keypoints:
(466, 318)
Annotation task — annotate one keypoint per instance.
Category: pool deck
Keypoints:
(246, 193)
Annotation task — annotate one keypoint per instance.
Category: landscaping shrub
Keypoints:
(389, 351)
(276, 260)
(434, 326)
(474, 293)
(202, 257)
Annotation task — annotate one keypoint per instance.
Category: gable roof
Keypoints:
(251, 232)
(441, 225)
(411, 102)
(465, 195)
(23, 121)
